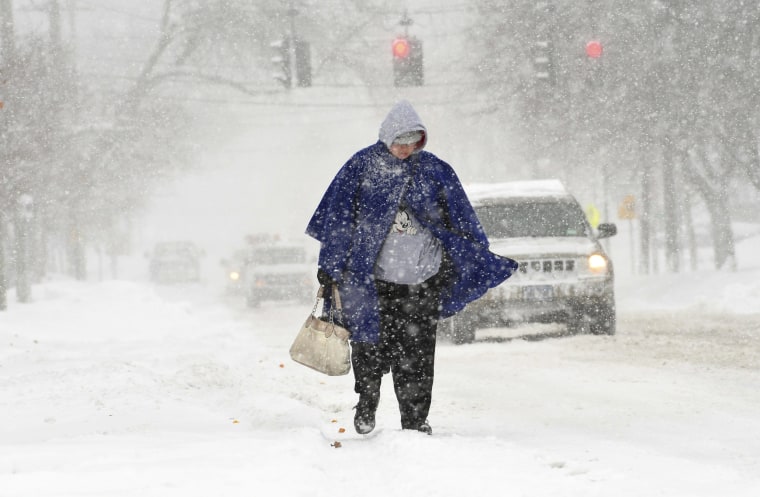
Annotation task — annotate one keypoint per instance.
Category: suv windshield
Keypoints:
(532, 219)
(279, 255)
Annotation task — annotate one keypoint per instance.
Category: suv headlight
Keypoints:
(597, 264)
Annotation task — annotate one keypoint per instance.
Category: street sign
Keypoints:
(627, 208)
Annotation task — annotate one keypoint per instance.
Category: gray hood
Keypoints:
(401, 119)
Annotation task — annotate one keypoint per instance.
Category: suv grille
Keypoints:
(545, 268)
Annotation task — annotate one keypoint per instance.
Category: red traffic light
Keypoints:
(594, 49)
(400, 48)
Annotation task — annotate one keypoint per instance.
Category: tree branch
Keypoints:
(157, 79)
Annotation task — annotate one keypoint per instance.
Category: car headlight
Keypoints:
(597, 264)
(234, 275)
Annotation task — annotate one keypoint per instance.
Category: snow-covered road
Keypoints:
(124, 389)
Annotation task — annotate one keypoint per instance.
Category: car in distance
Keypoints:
(279, 271)
(175, 262)
(564, 274)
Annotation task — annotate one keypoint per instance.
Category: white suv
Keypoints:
(564, 274)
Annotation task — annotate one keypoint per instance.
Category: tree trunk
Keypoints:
(39, 250)
(3, 289)
(670, 208)
(23, 224)
(644, 220)
(714, 190)
(75, 245)
(7, 48)
(23, 281)
(691, 237)
(723, 233)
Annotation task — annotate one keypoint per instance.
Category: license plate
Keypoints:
(538, 292)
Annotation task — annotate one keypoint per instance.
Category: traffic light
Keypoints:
(292, 61)
(281, 61)
(303, 63)
(594, 74)
(408, 68)
(400, 48)
(542, 61)
(594, 49)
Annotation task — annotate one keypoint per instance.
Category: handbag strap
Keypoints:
(335, 306)
(336, 298)
(316, 301)
(335, 302)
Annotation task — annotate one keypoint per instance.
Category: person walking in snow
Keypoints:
(400, 239)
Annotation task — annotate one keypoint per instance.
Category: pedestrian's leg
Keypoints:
(413, 366)
(368, 373)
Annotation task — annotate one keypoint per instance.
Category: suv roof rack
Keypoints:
(479, 192)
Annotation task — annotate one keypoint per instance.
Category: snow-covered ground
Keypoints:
(122, 388)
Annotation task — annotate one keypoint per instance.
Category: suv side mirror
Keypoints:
(606, 230)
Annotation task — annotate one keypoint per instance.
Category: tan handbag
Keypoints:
(321, 344)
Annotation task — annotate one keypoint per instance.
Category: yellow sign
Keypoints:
(593, 216)
(627, 208)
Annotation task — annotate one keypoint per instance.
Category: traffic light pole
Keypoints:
(406, 21)
(292, 56)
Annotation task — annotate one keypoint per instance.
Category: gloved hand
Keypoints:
(324, 278)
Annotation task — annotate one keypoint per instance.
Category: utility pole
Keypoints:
(7, 56)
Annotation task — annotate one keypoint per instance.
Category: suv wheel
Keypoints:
(597, 319)
(579, 321)
(604, 324)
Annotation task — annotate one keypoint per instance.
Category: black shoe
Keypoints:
(364, 419)
(424, 427)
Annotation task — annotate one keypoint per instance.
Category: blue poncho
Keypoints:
(358, 209)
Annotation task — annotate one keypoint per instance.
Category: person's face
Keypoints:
(402, 151)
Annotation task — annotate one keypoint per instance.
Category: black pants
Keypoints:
(408, 323)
